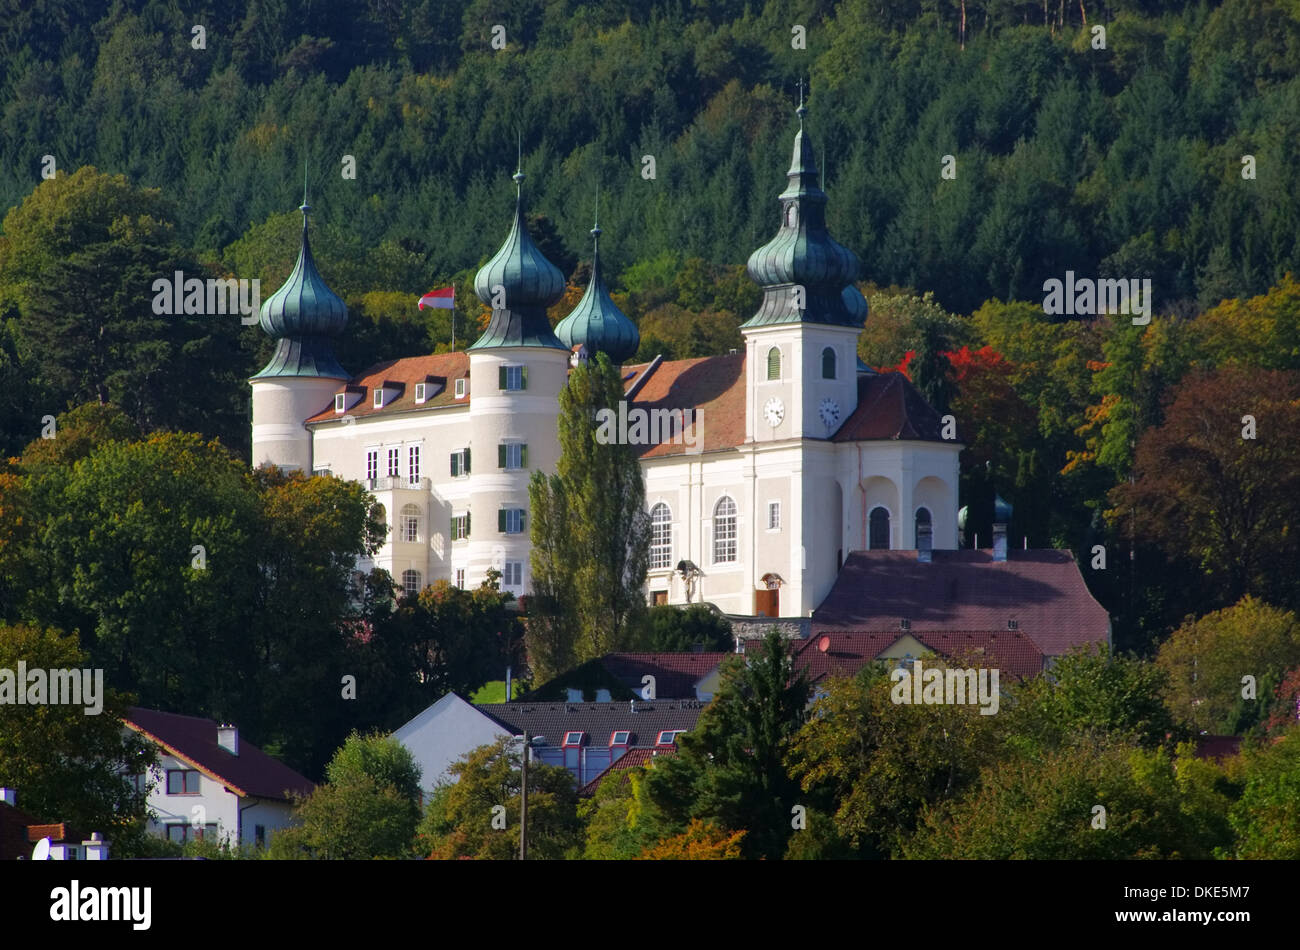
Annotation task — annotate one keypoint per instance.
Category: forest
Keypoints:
(145, 140)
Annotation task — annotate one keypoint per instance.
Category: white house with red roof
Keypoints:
(210, 783)
(782, 459)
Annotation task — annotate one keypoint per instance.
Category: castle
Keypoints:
(799, 454)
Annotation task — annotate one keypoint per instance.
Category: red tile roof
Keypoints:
(1011, 652)
(675, 673)
(14, 823)
(194, 740)
(632, 759)
(890, 407)
(1042, 590)
(713, 386)
(404, 373)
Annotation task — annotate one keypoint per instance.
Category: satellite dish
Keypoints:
(824, 644)
(42, 850)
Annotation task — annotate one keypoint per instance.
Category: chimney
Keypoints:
(9, 797)
(1001, 518)
(924, 542)
(228, 738)
(96, 849)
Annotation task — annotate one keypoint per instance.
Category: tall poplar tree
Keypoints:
(590, 534)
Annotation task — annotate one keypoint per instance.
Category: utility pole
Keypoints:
(523, 805)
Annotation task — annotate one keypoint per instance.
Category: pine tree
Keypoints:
(590, 534)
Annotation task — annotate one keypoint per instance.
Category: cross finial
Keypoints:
(802, 110)
(305, 207)
(519, 163)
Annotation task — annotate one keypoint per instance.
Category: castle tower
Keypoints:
(517, 369)
(305, 316)
(596, 322)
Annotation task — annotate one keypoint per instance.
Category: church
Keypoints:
(798, 454)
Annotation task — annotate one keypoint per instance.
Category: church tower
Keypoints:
(305, 316)
(801, 345)
(517, 369)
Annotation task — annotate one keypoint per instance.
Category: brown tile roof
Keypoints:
(403, 374)
(1011, 652)
(675, 673)
(632, 759)
(14, 823)
(1042, 590)
(194, 740)
(598, 720)
(714, 386)
(1217, 747)
(890, 407)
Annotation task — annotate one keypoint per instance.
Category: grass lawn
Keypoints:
(494, 692)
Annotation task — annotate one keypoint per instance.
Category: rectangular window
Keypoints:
(419, 392)
(317, 472)
(659, 598)
(513, 574)
(773, 516)
(372, 464)
(394, 463)
(460, 528)
(182, 782)
(340, 402)
(460, 577)
(259, 835)
(512, 378)
(512, 455)
(573, 738)
(413, 464)
(510, 520)
(182, 832)
(460, 463)
(460, 388)
(620, 737)
(379, 397)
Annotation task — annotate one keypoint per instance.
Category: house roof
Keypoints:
(675, 673)
(404, 373)
(890, 407)
(597, 720)
(632, 759)
(1013, 653)
(1042, 590)
(713, 386)
(14, 823)
(1217, 747)
(193, 740)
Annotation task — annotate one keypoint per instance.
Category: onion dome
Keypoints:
(524, 283)
(803, 254)
(596, 321)
(962, 514)
(305, 316)
(1001, 510)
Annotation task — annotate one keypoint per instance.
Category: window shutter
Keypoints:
(501, 455)
(467, 524)
(523, 456)
(501, 377)
(523, 377)
(454, 467)
(522, 515)
(501, 520)
(465, 463)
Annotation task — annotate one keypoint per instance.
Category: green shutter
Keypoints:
(467, 524)
(523, 377)
(522, 514)
(501, 377)
(501, 520)
(454, 471)
(501, 455)
(465, 463)
(523, 456)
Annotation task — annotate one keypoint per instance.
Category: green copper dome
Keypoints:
(803, 254)
(596, 321)
(305, 316)
(527, 283)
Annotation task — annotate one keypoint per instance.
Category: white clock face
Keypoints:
(773, 412)
(830, 412)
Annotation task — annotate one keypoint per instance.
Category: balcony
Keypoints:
(392, 483)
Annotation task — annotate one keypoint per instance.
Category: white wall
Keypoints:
(443, 733)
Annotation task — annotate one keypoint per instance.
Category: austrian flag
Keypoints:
(444, 299)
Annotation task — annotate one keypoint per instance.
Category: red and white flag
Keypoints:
(444, 299)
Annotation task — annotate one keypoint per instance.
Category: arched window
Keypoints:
(828, 363)
(774, 363)
(724, 530)
(411, 582)
(408, 526)
(661, 537)
(923, 520)
(878, 529)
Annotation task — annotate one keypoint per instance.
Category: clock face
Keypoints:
(773, 412)
(830, 412)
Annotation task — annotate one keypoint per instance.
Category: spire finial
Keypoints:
(305, 208)
(519, 164)
(802, 110)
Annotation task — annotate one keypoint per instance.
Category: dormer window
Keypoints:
(340, 402)
(669, 737)
(622, 737)
(420, 390)
(460, 387)
(572, 739)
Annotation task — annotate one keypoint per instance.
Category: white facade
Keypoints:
(443, 733)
